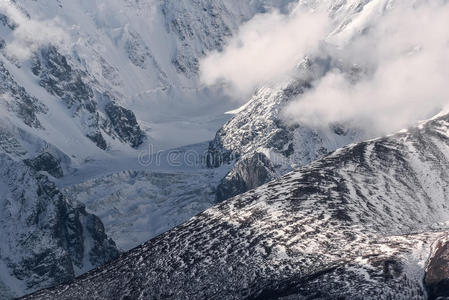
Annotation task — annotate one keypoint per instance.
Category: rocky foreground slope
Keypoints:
(360, 223)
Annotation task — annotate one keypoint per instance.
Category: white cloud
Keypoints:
(30, 34)
(265, 49)
(406, 54)
(402, 47)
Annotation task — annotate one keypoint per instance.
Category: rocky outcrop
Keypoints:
(18, 100)
(46, 162)
(260, 128)
(59, 78)
(123, 123)
(437, 272)
(79, 92)
(46, 238)
(247, 174)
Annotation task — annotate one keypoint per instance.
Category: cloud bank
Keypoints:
(30, 34)
(265, 49)
(406, 58)
(401, 49)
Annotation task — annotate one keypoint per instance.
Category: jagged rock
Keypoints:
(71, 85)
(98, 139)
(124, 123)
(259, 128)
(18, 100)
(46, 238)
(46, 162)
(60, 79)
(248, 173)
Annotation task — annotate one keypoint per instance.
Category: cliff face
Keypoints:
(46, 238)
(437, 272)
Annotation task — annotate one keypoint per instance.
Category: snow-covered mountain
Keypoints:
(80, 114)
(254, 147)
(261, 143)
(360, 223)
(262, 146)
(138, 55)
(86, 86)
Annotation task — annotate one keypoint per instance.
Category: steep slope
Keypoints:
(46, 238)
(358, 224)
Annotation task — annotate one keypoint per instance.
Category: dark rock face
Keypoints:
(98, 139)
(60, 79)
(247, 174)
(437, 273)
(124, 123)
(77, 91)
(18, 100)
(356, 224)
(46, 238)
(46, 162)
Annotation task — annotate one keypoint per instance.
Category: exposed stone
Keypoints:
(18, 100)
(437, 273)
(248, 173)
(124, 123)
(46, 162)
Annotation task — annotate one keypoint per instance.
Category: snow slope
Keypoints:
(359, 223)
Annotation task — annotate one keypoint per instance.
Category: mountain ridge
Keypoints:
(359, 223)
